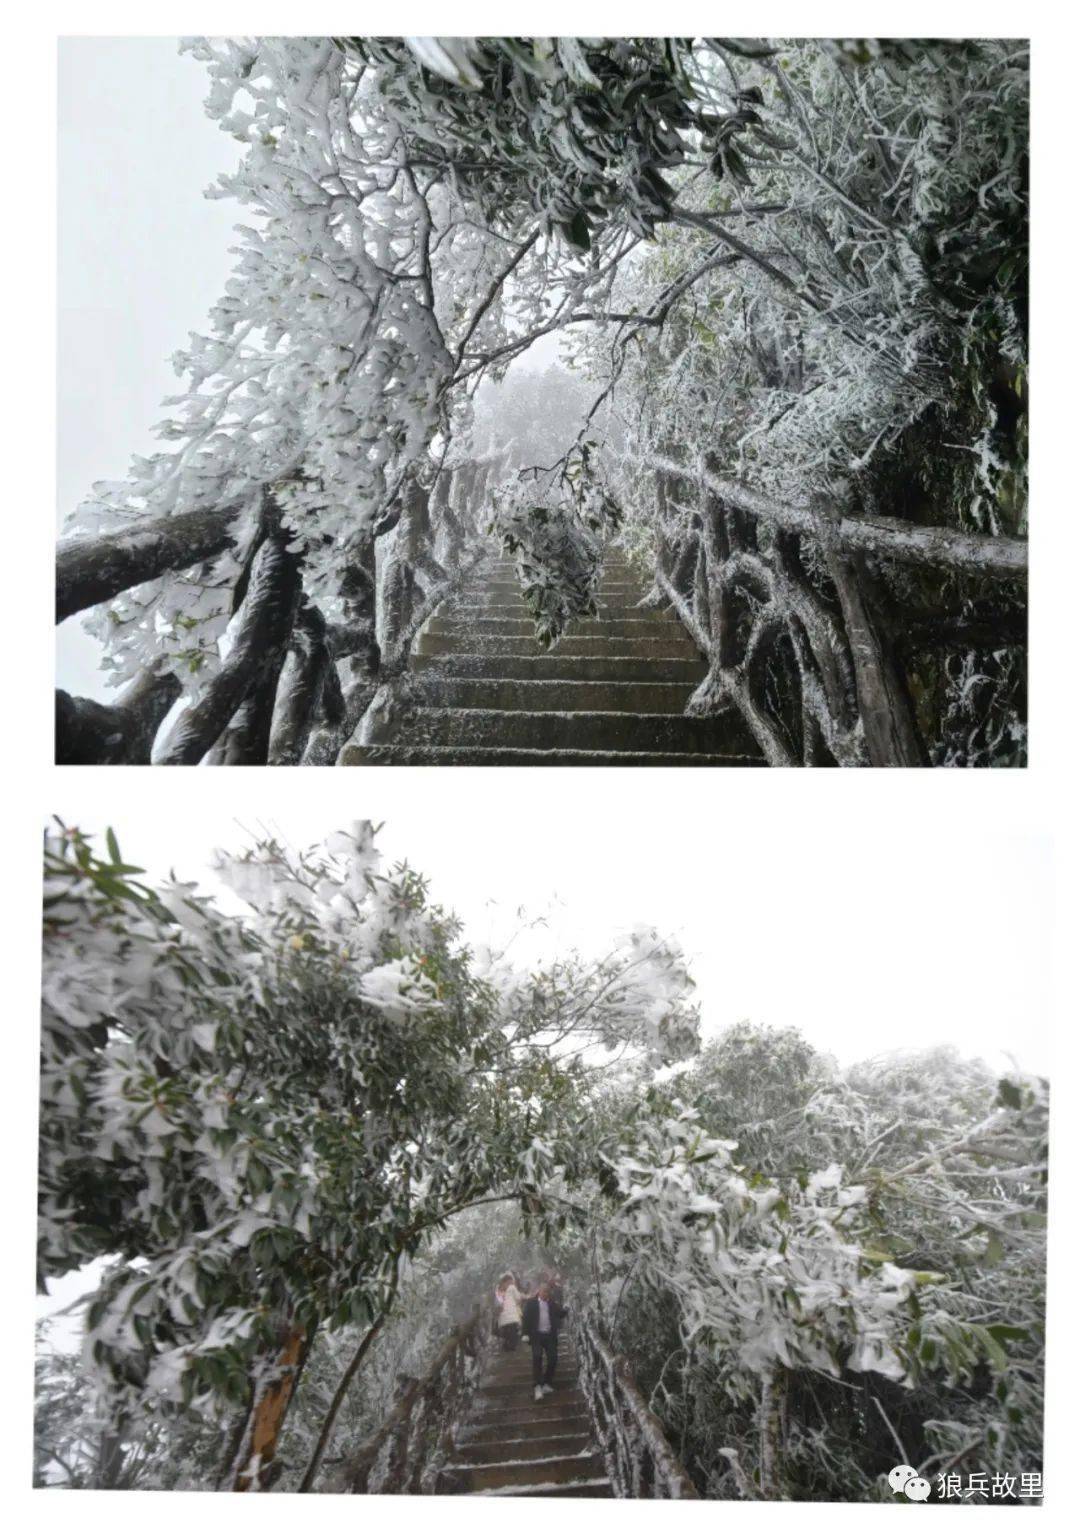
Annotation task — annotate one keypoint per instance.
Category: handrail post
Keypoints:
(406, 1452)
(631, 1434)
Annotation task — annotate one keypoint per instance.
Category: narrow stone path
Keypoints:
(610, 692)
(514, 1446)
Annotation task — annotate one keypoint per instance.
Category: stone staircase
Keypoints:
(610, 692)
(514, 1446)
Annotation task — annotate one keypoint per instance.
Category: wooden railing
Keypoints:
(259, 709)
(640, 1461)
(800, 634)
(940, 548)
(408, 1450)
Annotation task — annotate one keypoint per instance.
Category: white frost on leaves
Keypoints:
(763, 1271)
(399, 990)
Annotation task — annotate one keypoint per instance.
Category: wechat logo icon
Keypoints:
(908, 1480)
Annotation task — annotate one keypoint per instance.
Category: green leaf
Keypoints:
(1009, 1093)
(995, 1251)
(1003, 1333)
(577, 231)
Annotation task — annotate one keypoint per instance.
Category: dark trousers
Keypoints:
(510, 1333)
(545, 1351)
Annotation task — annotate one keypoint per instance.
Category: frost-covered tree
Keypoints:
(372, 293)
(801, 265)
(257, 1120)
(823, 357)
(819, 1273)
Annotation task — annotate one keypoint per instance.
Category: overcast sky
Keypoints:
(867, 933)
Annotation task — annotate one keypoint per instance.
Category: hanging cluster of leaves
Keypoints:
(580, 131)
(383, 180)
(885, 224)
(257, 1114)
(371, 293)
(557, 528)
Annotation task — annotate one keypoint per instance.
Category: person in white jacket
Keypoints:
(508, 1298)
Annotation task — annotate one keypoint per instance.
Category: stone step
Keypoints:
(535, 697)
(491, 1412)
(547, 731)
(565, 1425)
(600, 1487)
(488, 756)
(498, 559)
(626, 588)
(477, 607)
(558, 1413)
(565, 1382)
(540, 1445)
(641, 627)
(518, 1362)
(521, 1356)
(568, 1430)
(506, 575)
(555, 1471)
(507, 1387)
(557, 667)
(670, 647)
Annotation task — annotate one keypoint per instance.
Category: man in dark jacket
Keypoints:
(540, 1321)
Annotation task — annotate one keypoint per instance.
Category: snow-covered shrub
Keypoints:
(874, 1272)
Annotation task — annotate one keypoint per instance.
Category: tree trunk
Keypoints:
(232, 1453)
(446, 520)
(716, 547)
(110, 1458)
(416, 535)
(412, 554)
(247, 740)
(309, 693)
(339, 1396)
(885, 707)
(91, 734)
(265, 623)
(360, 648)
(256, 1458)
(769, 1432)
(399, 594)
(480, 508)
(93, 570)
(462, 493)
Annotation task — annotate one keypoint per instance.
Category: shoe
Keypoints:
(538, 1393)
(548, 1389)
